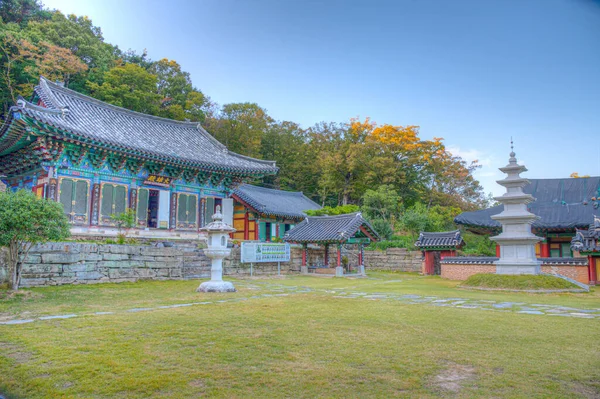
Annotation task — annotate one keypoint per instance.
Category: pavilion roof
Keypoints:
(561, 204)
(277, 203)
(98, 123)
(330, 229)
(446, 239)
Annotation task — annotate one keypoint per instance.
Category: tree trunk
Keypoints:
(13, 265)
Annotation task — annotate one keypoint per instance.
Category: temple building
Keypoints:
(562, 205)
(266, 214)
(98, 160)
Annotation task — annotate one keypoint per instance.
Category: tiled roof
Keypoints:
(587, 240)
(447, 239)
(561, 204)
(277, 203)
(329, 229)
(488, 260)
(107, 124)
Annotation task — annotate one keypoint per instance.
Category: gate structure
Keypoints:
(436, 246)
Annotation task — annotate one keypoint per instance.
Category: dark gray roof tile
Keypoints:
(329, 229)
(448, 239)
(277, 203)
(84, 116)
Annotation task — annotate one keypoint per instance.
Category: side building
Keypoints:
(563, 206)
(265, 214)
(98, 160)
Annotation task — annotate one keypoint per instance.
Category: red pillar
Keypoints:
(246, 226)
(545, 249)
(304, 255)
(339, 256)
(360, 255)
(592, 270)
(497, 251)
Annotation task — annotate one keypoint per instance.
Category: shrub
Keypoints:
(383, 228)
(332, 211)
(26, 220)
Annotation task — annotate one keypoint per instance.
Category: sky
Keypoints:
(473, 72)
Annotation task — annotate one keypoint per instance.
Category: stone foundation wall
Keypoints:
(394, 259)
(77, 263)
(83, 263)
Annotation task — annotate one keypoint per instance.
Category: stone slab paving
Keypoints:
(270, 290)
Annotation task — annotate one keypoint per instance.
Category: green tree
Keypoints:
(129, 86)
(180, 100)
(241, 127)
(22, 11)
(26, 220)
(383, 203)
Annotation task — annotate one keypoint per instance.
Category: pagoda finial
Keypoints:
(513, 158)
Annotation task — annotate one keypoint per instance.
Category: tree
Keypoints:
(26, 220)
(129, 86)
(22, 11)
(241, 127)
(383, 203)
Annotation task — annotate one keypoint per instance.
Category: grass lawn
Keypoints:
(308, 343)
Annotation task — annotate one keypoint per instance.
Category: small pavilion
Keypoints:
(437, 246)
(340, 230)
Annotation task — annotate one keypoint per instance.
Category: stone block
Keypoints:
(120, 273)
(164, 265)
(143, 258)
(33, 258)
(177, 273)
(79, 267)
(42, 268)
(125, 249)
(162, 272)
(92, 257)
(89, 275)
(154, 251)
(113, 256)
(145, 273)
(61, 257)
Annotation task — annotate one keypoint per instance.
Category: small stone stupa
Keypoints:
(517, 242)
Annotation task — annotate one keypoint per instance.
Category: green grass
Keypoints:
(304, 345)
(521, 282)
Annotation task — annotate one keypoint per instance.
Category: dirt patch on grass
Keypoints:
(453, 377)
(10, 295)
(586, 391)
(15, 353)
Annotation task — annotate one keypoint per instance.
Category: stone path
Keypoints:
(267, 290)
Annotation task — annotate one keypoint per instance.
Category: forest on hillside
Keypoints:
(334, 163)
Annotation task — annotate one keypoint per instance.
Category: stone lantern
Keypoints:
(218, 236)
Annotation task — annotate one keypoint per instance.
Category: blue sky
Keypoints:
(473, 72)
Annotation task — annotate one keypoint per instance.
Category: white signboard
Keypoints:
(256, 252)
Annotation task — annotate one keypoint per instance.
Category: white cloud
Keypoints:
(488, 173)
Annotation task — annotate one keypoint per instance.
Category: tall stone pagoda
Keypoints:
(517, 242)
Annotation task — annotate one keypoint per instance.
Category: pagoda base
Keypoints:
(216, 286)
(518, 268)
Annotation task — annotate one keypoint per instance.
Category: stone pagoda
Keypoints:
(517, 242)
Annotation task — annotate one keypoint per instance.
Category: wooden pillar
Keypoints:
(327, 255)
(304, 249)
(360, 255)
(592, 270)
(202, 211)
(133, 199)
(497, 251)
(173, 212)
(95, 211)
(545, 249)
(246, 226)
(339, 255)
(52, 192)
